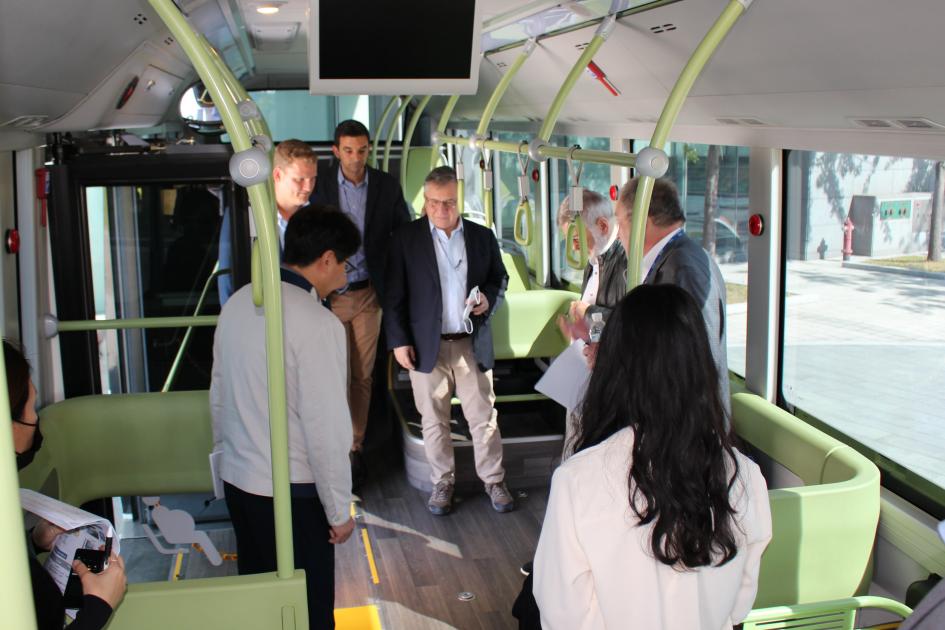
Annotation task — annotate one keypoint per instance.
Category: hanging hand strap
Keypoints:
(522, 223)
(576, 259)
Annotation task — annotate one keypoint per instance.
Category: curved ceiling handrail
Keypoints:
(674, 103)
(380, 129)
(390, 131)
(408, 136)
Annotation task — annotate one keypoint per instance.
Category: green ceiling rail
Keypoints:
(441, 128)
(392, 129)
(185, 342)
(540, 151)
(408, 136)
(487, 114)
(245, 159)
(688, 76)
(380, 128)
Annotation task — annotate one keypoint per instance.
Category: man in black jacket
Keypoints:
(442, 336)
(374, 201)
(605, 277)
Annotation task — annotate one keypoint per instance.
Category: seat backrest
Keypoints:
(823, 532)
(517, 270)
(124, 444)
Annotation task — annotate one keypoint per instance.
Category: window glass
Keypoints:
(690, 168)
(153, 250)
(298, 114)
(863, 338)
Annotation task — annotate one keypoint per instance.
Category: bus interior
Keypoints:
(806, 138)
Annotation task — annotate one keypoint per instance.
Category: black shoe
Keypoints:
(358, 473)
(526, 568)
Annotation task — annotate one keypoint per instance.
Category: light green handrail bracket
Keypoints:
(16, 597)
(441, 129)
(380, 128)
(392, 129)
(489, 112)
(172, 373)
(688, 76)
(408, 136)
(219, 82)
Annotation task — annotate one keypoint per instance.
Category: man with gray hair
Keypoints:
(605, 277)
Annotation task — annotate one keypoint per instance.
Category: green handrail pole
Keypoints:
(408, 136)
(551, 118)
(393, 127)
(441, 129)
(143, 323)
(380, 129)
(674, 103)
(594, 156)
(16, 595)
(172, 373)
(264, 215)
(489, 112)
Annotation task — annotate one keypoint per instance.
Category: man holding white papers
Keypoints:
(445, 278)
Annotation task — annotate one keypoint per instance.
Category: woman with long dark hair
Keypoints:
(101, 591)
(657, 521)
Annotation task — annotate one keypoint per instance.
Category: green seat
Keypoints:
(153, 444)
(839, 614)
(524, 326)
(518, 272)
(823, 532)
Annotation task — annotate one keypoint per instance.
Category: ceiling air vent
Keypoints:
(753, 122)
(917, 123)
(743, 121)
(501, 64)
(26, 122)
(728, 121)
(140, 19)
(663, 28)
(273, 37)
(582, 45)
(872, 123)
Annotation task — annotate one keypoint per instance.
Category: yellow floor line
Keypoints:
(367, 547)
(370, 557)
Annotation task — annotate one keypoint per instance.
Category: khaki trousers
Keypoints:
(360, 313)
(456, 369)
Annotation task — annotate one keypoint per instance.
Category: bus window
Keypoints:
(863, 338)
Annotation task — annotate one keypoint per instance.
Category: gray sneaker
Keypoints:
(441, 499)
(500, 496)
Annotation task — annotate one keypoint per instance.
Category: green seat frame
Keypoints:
(823, 532)
(152, 444)
(839, 614)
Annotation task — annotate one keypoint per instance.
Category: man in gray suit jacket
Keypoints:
(671, 257)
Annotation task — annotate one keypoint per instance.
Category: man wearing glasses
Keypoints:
(445, 278)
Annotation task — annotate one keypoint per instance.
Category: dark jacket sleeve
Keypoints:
(497, 277)
(396, 307)
(50, 611)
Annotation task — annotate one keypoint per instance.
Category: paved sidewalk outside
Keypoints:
(864, 352)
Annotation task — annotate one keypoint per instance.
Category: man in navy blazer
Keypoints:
(374, 201)
(445, 278)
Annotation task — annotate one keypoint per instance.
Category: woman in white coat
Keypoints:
(657, 521)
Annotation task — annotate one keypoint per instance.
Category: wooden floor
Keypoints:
(423, 562)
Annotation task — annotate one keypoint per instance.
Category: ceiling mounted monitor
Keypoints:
(405, 47)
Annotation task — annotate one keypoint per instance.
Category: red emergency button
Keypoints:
(756, 225)
(614, 191)
(13, 242)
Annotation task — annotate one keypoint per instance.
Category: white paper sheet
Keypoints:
(566, 379)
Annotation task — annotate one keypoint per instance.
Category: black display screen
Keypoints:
(395, 39)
